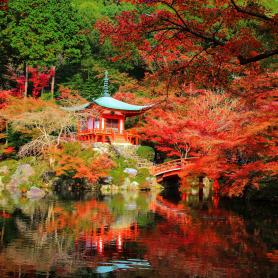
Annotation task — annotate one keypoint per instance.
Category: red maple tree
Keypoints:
(201, 40)
(221, 102)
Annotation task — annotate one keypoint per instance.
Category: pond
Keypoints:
(136, 234)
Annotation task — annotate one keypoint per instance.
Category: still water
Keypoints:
(136, 234)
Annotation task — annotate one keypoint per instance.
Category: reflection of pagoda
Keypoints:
(109, 126)
(97, 239)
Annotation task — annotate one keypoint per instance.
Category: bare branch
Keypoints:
(244, 61)
(240, 10)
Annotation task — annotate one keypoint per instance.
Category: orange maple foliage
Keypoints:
(229, 137)
(91, 168)
(220, 102)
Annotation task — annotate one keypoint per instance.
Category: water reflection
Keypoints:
(135, 234)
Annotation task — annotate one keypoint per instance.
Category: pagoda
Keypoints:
(109, 125)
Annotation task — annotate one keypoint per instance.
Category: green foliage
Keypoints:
(119, 176)
(93, 10)
(142, 203)
(75, 149)
(117, 173)
(141, 176)
(145, 219)
(146, 152)
(117, 204)
(48, 33)
(16, 139)
(46, 96)
(40, 167)
(12, 165)
(44, 33)
(87, 76)
(88, 81)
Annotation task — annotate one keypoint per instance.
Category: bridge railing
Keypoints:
(166, 166)
(171, 165)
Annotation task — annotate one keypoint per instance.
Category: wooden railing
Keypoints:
(167, 166)
(170, 211)
(100, 135)
(171, 165)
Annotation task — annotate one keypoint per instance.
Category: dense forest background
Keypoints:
(62, 34)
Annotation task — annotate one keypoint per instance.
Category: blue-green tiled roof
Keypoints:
(112, 103)
(109, 102)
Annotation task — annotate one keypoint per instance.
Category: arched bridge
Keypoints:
(169, 168)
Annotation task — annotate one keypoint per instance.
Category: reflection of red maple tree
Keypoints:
(95, 214)
(213, 242)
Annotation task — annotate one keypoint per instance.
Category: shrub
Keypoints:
(16, 139)
(143, 173)
(72, 160)
(12, 164)
(146, 152)
(117, 173)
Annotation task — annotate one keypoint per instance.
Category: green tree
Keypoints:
(44, 32)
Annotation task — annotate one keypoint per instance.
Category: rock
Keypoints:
(134, 185)
(20, 176)
(35, 193)
(102, 148)
(149, 179)
(131, 171)
(4, 170)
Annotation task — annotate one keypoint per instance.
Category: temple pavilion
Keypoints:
(109, 125)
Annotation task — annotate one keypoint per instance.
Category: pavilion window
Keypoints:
(96, 123)
(83, 125)
(112, 123)
(90, 123)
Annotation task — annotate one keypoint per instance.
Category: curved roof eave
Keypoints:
(109, 102)
(77, 107)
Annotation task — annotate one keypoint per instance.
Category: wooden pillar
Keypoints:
(137, 140)
(112, 136)
(122, 125)
(102, 123)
